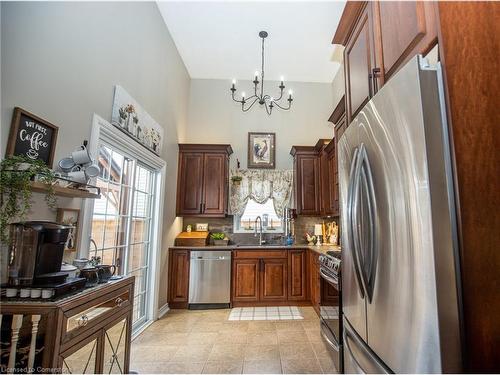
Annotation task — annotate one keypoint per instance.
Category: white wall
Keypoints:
(61, 61)
(215, 118)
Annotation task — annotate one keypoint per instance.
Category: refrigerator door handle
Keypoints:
(350, 228)
(354, 361)
(368, 262)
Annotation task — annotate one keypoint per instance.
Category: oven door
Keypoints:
(330, 313)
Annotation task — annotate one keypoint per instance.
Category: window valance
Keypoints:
(261, 185)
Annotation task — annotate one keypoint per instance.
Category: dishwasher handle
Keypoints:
(200, 258)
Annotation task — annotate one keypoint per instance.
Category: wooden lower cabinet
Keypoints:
(178, 281)
(269, 277)
(297, 271)
(273, 279)
(246, 280)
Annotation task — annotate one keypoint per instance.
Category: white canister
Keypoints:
(24, 293)
(47, 293)
(69, 269)
(11, 292)
(36, 293)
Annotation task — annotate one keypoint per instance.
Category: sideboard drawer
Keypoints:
(90, 315)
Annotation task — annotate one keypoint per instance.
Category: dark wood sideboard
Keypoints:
(88, 332)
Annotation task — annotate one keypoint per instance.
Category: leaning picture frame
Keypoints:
(261, 150)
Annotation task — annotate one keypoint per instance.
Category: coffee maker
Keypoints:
(36, 253)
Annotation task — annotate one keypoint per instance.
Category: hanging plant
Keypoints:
(236, 180)
(16, 172)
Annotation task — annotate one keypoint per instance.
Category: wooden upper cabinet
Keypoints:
(306, 180)
(215, 182)
(297, 275)
(190, 183)
(402, 29)
(360, 64)
(273, 279)
(203, 178)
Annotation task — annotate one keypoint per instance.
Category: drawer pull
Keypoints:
(119, 302)
(82, 322)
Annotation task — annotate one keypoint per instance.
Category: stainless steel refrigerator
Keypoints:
(400, 282)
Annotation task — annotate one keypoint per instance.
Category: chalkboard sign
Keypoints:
(32, 136)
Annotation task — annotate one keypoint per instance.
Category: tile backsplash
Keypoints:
(302, 225)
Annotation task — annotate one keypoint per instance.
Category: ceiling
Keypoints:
(219, 39)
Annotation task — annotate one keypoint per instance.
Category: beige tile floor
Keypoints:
(206, 342)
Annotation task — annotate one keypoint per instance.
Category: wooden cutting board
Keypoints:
(192, 239)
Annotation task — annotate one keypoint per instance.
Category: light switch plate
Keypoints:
(203, 227)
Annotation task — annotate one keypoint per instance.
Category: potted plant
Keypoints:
(236, 180)
(219, 239)
(16, 173)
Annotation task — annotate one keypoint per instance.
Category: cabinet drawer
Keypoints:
(89, 315)
(256, 254)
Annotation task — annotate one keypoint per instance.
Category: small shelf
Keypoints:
(60, 191)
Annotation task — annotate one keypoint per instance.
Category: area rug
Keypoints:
(266, 313)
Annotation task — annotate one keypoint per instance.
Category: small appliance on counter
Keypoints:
(192, 239)
(36, 253)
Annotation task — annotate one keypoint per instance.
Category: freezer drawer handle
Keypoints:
(334, 345)
(359, 369)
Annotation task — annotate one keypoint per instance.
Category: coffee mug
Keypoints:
(81, 156)
(78, 176)
(92, 170)
(66, 164)
(92, 276)
(105, 272)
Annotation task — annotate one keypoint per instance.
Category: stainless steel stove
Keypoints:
(331, 305)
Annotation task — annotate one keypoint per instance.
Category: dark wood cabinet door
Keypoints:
(333, 187)
(179, 276)
(402, 30)
(297, 275)
(214, 184)
(359, 62)
(273, 278)
(340, 127)
(324, 183)
(246, 279)
(307, 185)
(190, 183)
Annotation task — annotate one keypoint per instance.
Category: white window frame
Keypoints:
(238, 229)
(102, 130)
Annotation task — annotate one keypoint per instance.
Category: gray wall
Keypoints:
(215, 118)
(61, 61)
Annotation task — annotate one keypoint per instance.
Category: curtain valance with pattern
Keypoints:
(261, 185)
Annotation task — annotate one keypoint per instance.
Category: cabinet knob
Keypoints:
(84, 319)
(119, 302)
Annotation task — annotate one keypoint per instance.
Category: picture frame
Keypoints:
(32, 136)
(70, 216)
(261, 150)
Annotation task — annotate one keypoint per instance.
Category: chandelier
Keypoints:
(265, 100)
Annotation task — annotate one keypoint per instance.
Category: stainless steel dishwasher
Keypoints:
(210, 279)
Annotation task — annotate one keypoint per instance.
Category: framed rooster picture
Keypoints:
(261, 150)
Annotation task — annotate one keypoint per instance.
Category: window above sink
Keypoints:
(271, 222)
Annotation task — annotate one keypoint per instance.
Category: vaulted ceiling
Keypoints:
(219, 40)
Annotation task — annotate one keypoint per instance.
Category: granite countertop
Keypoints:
(322, 249)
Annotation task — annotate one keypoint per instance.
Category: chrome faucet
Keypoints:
(259, 219)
